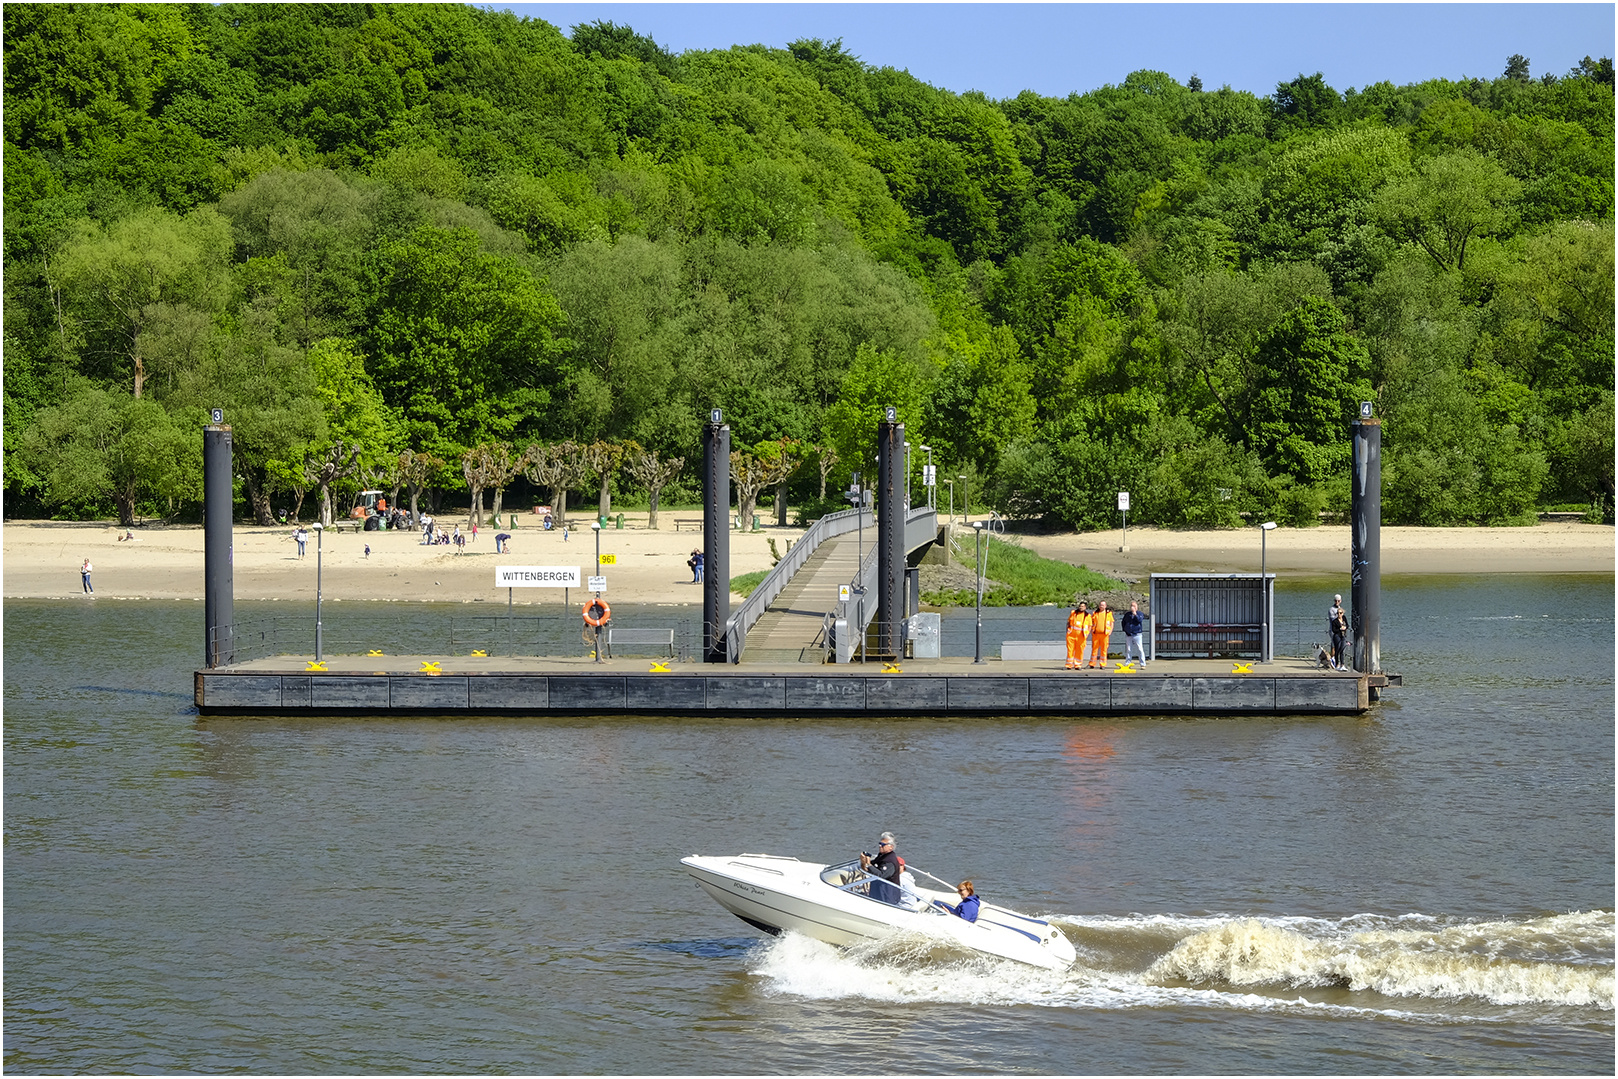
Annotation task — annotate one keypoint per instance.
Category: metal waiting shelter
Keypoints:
(1209, 614)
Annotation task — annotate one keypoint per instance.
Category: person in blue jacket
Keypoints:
(968, 906)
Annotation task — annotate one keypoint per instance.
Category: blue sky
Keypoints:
(1055, 49)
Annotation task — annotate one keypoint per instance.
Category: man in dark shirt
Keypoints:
(1132, 624)
(885, 867)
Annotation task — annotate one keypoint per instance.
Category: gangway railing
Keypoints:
(759, 600)
(847, 623)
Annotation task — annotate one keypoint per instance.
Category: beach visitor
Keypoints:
(1100, 635)
(500, 539)
(1078, 628)
(367, 550)
(968, 906)
(1337, 626)
(695, 564)
(885, 867)
(1132, 624)
(303, 540)
(84, 575)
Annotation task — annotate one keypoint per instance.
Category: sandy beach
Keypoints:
(42, 558)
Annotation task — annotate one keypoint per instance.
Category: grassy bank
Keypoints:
(1022, 578)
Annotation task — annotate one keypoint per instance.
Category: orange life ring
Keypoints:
(606, 612)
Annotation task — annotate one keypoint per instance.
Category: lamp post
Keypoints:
(595, 526)
(907, 477)
(927, 478)
(977, 527)
(966, 499)
(1266, 651)
(320, 532)
(951, 485)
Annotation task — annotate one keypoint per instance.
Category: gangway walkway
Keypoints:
(788, 627)
(803, 587)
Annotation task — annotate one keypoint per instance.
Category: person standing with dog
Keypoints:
(1337, 625)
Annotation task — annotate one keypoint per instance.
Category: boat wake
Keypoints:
(1552, 968)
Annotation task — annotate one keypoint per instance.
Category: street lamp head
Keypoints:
(318, 527)
(1268, 526)
(977, 524)
(925, 449)
(596, 525)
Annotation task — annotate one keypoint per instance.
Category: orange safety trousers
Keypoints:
(1098, 649)
(1075, 648)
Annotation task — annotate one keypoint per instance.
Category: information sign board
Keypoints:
(536, 577)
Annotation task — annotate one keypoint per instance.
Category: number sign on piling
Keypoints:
(536, 577)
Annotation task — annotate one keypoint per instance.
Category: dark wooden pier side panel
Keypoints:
(1010, 688)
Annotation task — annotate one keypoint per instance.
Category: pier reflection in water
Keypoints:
(1426, 887)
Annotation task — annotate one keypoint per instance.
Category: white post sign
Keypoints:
(1123, 500)
(1123, 508)
(598, 584)
(536, 576)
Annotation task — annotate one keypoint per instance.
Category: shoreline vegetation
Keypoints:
(434, 249)
(42, 558)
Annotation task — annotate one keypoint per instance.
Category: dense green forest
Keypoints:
(450, 249)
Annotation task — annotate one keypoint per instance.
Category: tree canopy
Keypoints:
(369, 231)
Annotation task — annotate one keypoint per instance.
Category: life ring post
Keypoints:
(597, 613)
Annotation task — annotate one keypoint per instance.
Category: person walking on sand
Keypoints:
(84, 574)
(303, 540)
(1100, 635)
(1078, 629)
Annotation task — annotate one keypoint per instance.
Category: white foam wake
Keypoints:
(1562, 961)
(1499, 962)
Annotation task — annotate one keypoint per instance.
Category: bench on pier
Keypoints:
(1208, 638)
(681, 522)
(662, 638)
(1025, 650)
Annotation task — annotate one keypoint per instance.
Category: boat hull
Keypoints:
(783, 894)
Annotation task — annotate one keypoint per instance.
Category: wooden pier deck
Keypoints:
(440, 685)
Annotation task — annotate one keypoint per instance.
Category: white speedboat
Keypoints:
(835, 904)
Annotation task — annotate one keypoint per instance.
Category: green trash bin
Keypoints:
(620, 521)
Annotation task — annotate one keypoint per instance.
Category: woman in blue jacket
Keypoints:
(968, 906)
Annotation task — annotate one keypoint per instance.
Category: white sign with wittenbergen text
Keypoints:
(536, 576)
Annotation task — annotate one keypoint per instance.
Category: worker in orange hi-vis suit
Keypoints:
(1078, 628)
(1100, 635)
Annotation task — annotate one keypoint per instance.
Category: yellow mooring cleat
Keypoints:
(1242, 668)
